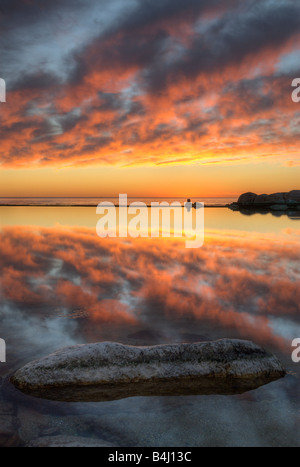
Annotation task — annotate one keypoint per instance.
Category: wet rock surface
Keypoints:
(150, 421)
(108, 371)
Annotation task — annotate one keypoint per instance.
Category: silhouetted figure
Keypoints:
(188, 205)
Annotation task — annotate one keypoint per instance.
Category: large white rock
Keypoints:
(107, 370)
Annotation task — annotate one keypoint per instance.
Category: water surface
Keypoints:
(62, 285)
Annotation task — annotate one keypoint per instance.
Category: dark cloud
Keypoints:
(252, 95)
(110, 101)
(229, 40)
(84, 63)
(143, 40)
(140, 37)
(42, 129)
(149, 12)
(93, 143)
(22, 12)
(36, 81)
(15, 128)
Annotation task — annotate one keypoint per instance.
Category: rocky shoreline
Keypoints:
(276, 203)
(109, 371)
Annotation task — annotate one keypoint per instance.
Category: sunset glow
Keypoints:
(149, 98)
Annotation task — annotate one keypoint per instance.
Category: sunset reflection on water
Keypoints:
(239, 283)
(62, 285)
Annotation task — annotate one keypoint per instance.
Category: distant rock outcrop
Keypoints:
(273, 202)
(107, 370)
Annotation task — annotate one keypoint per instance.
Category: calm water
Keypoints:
(95, 201)
(62, 285)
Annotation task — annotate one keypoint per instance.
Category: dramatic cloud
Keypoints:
(142, 82)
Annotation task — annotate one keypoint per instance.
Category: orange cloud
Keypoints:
(148, 95)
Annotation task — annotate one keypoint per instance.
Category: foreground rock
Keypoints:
(273, 202)
(107, 370)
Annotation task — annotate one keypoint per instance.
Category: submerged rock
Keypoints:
(107, 370)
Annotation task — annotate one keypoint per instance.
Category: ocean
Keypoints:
(87, 201)
(63, 285)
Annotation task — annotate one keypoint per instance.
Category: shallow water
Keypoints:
(61, 285)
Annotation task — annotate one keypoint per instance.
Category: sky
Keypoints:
(149, 97)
